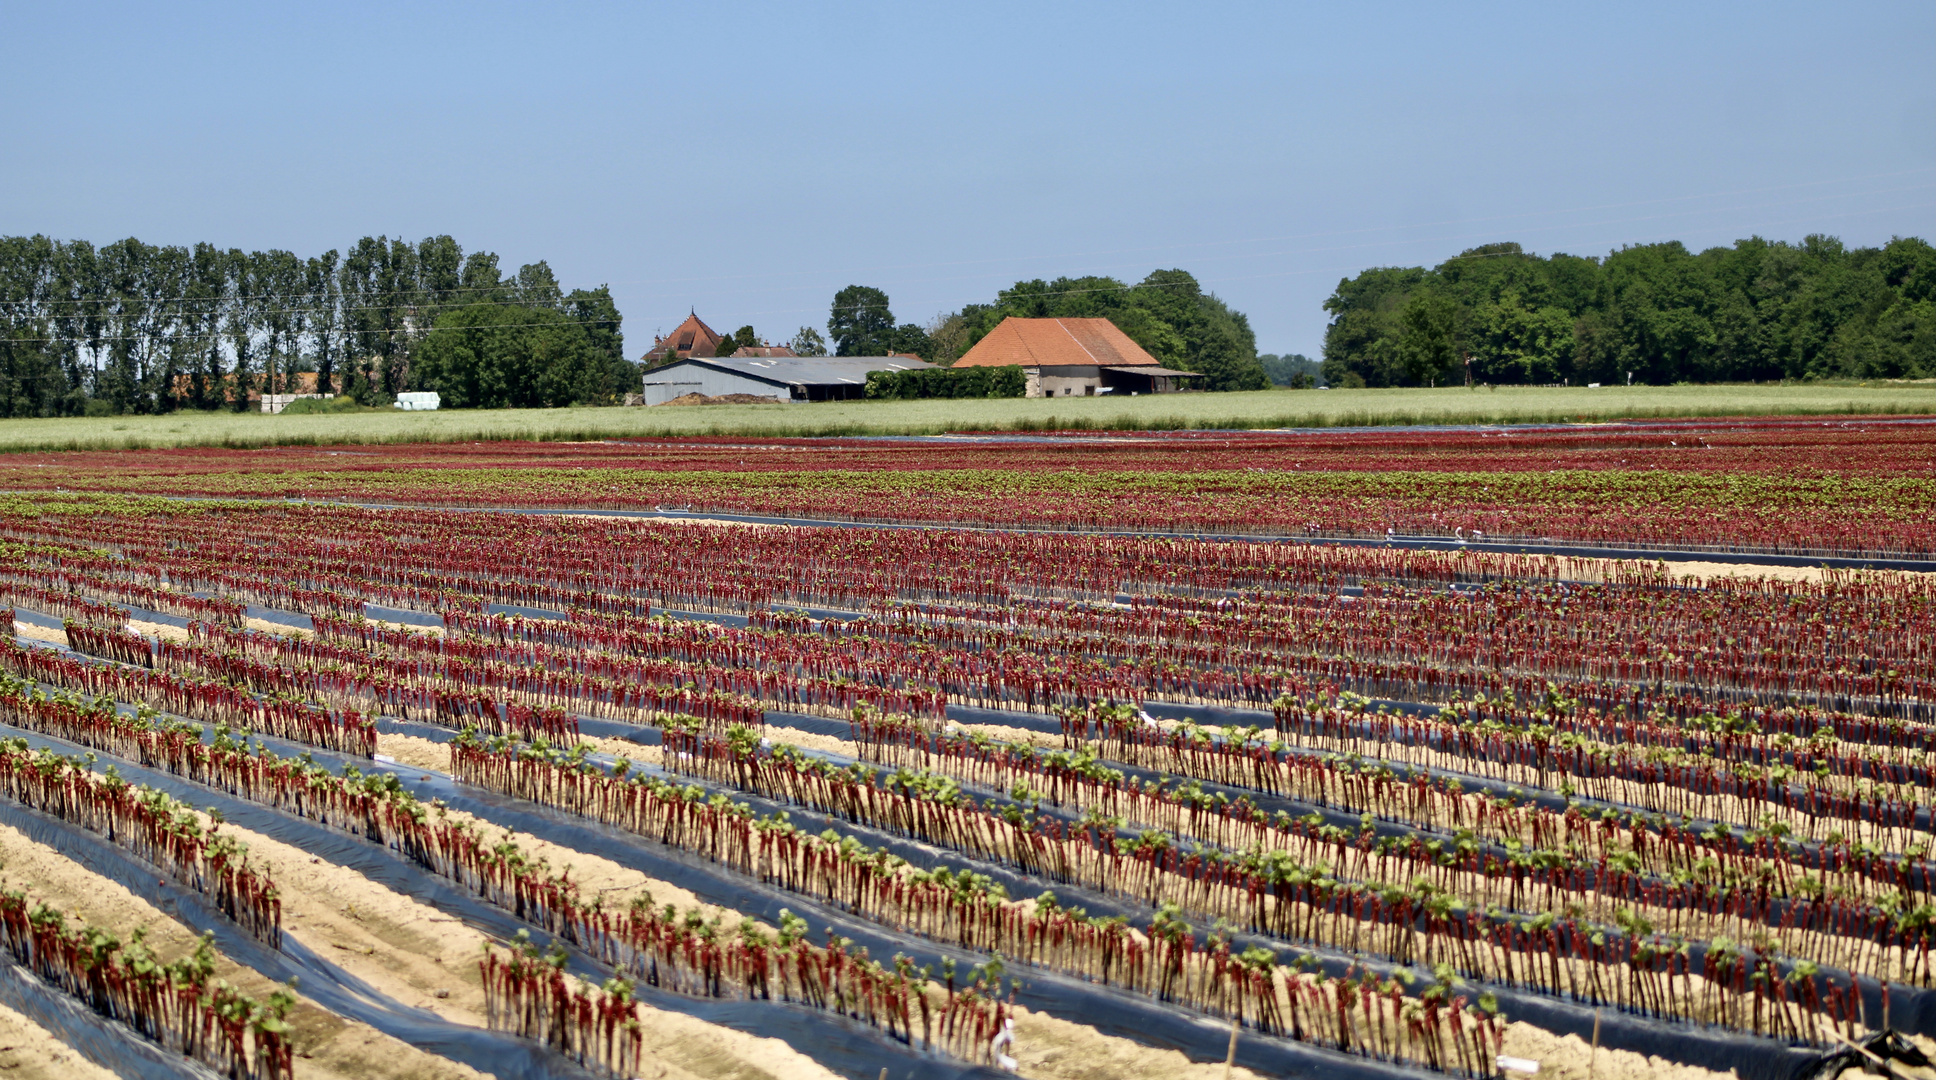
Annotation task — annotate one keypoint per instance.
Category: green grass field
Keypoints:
(1260, 409)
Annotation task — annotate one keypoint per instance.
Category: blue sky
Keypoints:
(748, 160)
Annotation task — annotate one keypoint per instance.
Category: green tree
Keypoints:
(537, 286)
(1510, 342)
(947, 337)
(480, 281)
(743, 338)
(1218, 341)
(594, 311)
(1167, 313)
(908, 338)
(860, 323)
(1433, 338)
(133, 327)
(495, 356)
(440, 276)
(808, 342)
(1291, 369)
(1757, 310)
(378, 289)
(321, 314)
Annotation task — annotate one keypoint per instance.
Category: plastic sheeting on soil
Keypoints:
(1754, 1058)
(1111, 1011)
(841, 1046)
(1674, 1040)
(113, 1046)
(1413, 541)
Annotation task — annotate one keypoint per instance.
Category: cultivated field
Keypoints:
(1341, 754)
(1261, 409)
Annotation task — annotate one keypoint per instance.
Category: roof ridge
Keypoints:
(1072, 337)
(1015, 331)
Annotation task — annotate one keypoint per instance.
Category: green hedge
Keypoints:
(970, 382)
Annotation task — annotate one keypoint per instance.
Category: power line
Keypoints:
(1412, 241)
(1300, 236)
(419, 305)
(465, 290)
(406, 329)
(218, 336)
(1348, 267)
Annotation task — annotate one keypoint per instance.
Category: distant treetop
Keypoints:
(1655, 313)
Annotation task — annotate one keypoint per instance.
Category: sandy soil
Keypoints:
(1599, 569)
(1708, 571)
(1572, 1058)
(1052, 1049)
(406, 949)
(1018, 736)
(407, 627)
(329, 1046)
(807, 740)
(39, 633)
(637, 753)
(414, 752)
(280, 629)
(164, 631)
(422, 957)
(427, 754)
(28, 1052)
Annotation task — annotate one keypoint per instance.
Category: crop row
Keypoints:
(1271, 893)
(149, 823)
(373, 812)
(1674, 880)
(178, 1004)
(208, 700)
(964, 908)
(1837, 644)
(1853, 646)
(1683, 495)
(678, 951)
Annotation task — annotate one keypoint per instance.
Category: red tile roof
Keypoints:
(1055, 343)
(692, 338)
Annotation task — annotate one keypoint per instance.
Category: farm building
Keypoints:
(694, 338)
(783, 378)
(691, 338)
(1075, 358)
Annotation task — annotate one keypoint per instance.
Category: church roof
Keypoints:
(691, 338)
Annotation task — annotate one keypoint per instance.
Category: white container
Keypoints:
(419, 401)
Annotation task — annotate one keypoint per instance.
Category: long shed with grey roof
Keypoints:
(783, 378)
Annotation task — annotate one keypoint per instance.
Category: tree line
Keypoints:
(131, 327)
(1168, 313)
(1654, 313)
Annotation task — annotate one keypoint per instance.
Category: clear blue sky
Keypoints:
(748, 160)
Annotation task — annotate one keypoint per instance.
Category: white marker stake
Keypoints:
(1519, 1065)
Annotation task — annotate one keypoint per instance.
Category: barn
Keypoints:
(1081, 357)
(783, 378)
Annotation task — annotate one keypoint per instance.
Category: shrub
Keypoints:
(342, 403)
(971, 382)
